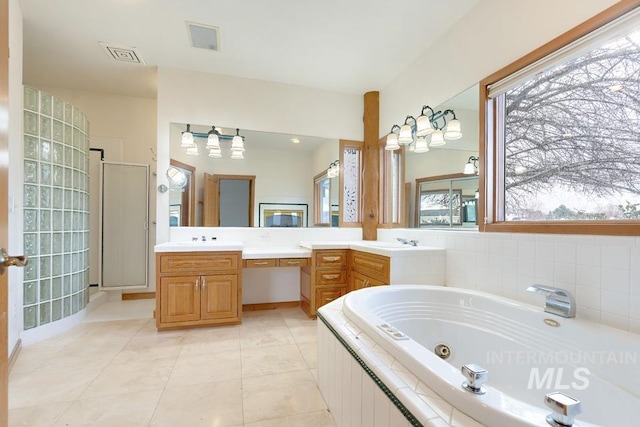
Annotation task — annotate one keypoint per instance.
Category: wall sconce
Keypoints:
(429, 122)
(334, 169)
(471, 168)
(213, 143)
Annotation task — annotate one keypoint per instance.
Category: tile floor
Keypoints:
(116, 370)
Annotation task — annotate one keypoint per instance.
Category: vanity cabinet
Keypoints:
(324, 280)
(198, 289)
(366, 269)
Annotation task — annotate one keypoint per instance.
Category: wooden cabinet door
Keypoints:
(326, 295)
(359, 281)
(219, 297)
(180, 301)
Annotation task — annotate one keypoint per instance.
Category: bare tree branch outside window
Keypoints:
(572, 138)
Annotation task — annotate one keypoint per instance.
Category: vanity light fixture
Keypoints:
(334, 169)
(214, 137)
(429, 122)
(471, 168)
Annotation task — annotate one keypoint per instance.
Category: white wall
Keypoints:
(492, 35)
(191, 97)
(16, 156)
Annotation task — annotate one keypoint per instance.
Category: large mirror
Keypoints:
(437, 193)
(283, 167)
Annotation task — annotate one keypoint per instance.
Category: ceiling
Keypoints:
(349, 46)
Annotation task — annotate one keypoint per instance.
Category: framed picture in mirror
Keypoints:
(282, 214)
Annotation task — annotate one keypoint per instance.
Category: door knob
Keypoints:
(10, 261)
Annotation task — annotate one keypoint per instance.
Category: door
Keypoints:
(180, 300)
(228, 200)
(219, 297)
(4, 188)
(124, 225)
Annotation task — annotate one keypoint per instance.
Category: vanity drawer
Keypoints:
(260, 263)
(337, 259)
(372, 265)
(293, 262)
(331, 277)
(189, 262)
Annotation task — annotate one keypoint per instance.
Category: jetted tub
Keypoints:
(527, 352)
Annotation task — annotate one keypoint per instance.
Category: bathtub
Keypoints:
(528, 353)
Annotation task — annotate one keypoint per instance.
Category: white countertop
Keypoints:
(275, 252)
(303, 251)
(199, 246)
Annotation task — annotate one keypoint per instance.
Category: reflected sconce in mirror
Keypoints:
(471, 168)
(214, 137)
(177, 180)
(334, 169)
(414, 132)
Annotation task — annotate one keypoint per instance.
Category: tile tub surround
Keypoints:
(56, 209)
(602, 272)
(364, 385)
(260, 373)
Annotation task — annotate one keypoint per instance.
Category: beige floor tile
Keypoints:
(131, 377)
(303, 334)
(44, 385)
(309, 351)
(264, 337)
(262, 318)
(217, 404)
(272, 360)
(205, 368)
(280, 395)
(130, 409)
(311, 419)
(211, 340)
(149, 329)
(37, 416)
(149, 349)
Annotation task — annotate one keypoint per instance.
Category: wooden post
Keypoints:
(371, 166)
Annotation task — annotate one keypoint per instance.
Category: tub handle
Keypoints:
(564, 408)
(475, 376)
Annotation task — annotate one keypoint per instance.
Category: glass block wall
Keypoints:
(56, 209)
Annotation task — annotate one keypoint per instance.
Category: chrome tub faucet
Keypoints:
(558, 301)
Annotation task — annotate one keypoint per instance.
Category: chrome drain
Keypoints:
(442, 351)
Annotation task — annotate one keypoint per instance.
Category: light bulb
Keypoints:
(237, 144)
(192, 151)
(392, 142)
(453, 130)
(212, 141)
(423, 126)
(187, 140)
(469, 169)
(216, 153)
(237, 155)
(405, 136)
(437, 139)
(421, 145)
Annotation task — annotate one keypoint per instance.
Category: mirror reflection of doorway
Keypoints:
(182, 201)
(228, 200)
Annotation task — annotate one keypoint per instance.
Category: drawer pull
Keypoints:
(197, 285)
(331, 258)
(331, 276)
(293, 262)
(261, 263)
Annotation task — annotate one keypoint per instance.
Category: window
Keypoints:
(322, 199)
(564, 136)
(391, 187)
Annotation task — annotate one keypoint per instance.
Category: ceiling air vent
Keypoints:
(122, 53)
(204, 36)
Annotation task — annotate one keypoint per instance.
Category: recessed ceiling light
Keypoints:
(615, 88)
(295, 140)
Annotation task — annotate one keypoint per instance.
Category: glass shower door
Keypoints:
(124, 225)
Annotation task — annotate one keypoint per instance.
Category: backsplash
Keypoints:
(602, 272)
(56, 209)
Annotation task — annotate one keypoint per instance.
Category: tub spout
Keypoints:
(475, 376)
(564, 408)
(559, 301)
